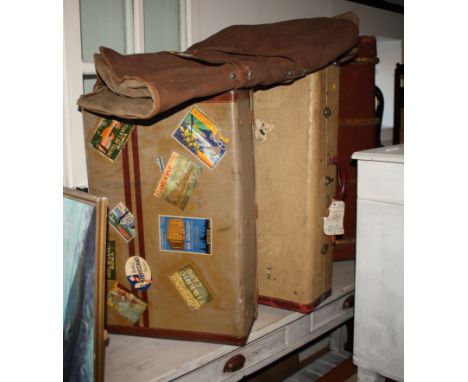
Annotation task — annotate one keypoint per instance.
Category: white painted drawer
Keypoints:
(253, 353)
(380, 181)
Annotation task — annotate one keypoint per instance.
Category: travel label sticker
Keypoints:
(122, 220)
(333, 223)
(190, 287)
(126, 304)
(110, 260)
(178, 181)
(138, 273)
(199, 134)
(185, 234)
(110, 136)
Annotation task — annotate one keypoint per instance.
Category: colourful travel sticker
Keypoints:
(178, 181)
(199, 134)
(125, 303)
(138, 273)
(185, 234)
(190, 287)
(122, 220)
(110, 136)
(110, 260)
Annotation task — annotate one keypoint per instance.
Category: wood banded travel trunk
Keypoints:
(357, 130)
(296, 135)
(181, 253)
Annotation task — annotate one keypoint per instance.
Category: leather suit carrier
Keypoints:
(187, 177)
(296, 138)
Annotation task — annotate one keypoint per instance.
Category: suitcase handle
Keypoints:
(342, 177)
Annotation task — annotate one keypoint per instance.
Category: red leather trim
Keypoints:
(138, 212)
(291, 305)
(178, 335)
(128, 200)
(127, 190)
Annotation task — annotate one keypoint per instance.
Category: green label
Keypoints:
(110, 136)
(110, 260)
(190, 287)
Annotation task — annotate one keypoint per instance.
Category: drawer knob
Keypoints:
(234, 363)
(348, 303)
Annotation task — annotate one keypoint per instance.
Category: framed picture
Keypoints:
(84, 246)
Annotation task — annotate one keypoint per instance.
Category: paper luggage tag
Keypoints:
(333, 223)
(178, 181)
(138, 273)
(125, 303)
(190, 287)
(122, 220)
(110, 136)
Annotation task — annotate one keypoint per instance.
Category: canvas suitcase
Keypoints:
(183, 185)
(295, 130)
(357, 130)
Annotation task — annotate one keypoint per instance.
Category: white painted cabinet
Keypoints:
(378, 322)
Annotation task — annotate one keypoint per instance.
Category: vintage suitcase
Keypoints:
(357, 130)
(296, 134)
(181, 259)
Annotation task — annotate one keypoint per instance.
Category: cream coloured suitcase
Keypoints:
(185, 266)
(296, 139)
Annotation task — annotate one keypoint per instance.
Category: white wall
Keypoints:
(389, 52)
(210, 16)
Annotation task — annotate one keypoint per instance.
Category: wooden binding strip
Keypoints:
(358, 121)
(291, 305)
(178, 335)
(139, 212)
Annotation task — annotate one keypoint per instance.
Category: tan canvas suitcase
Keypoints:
(181, 259)
(296, 138)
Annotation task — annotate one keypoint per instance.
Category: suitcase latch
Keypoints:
(324, 249)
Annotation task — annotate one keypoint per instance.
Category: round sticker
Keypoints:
(138, 273)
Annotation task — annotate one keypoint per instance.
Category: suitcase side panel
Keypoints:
(291, 193)
(219, 195)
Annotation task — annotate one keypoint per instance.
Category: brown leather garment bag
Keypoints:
(139, 86)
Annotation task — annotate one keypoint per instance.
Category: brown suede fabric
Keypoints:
(140, 86)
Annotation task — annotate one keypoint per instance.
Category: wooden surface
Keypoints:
(275, 333)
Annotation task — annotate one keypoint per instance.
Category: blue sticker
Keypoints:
(185, 234)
